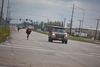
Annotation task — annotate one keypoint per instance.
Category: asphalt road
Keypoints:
(38, 52)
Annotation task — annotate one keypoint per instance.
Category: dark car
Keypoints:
(58, 33)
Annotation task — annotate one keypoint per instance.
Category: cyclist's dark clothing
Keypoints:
(28, 31)
(18, 28)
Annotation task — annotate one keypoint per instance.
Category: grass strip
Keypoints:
(83, 39)
(42, 32)
(4, 33)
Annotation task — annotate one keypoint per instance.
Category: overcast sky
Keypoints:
(56, 10)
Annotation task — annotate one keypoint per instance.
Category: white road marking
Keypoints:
(45, 50)
(37, 41)
(94, 53)
(25, 46)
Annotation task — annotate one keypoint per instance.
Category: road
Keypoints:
(38, 52)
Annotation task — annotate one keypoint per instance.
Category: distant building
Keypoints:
(88, 33)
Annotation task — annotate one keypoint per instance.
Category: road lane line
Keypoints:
(37, 42)
(15, 45)
(45, 50)
(94, 53)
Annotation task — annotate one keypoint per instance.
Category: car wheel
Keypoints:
(62, 41)
(49, 39)
(66, 42)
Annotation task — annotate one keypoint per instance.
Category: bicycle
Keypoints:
(27, 36)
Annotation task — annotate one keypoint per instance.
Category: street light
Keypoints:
(61, 16)
(83, 15)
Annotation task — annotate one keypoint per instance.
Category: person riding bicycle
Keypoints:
(18, 28)
(28, 31)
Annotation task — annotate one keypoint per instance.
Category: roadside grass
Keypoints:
(75, 38)
(83, 39)
(4, 33)
(42, 32)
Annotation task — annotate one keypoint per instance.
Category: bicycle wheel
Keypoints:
(27, 36)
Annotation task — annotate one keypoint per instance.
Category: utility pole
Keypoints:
(1, 13)
(83, 19)
(47, 20)
(64, 22)
(80, 27)
(72, 19)
(96, 29)
(7, 14)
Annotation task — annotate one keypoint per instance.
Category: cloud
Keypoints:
(63, 3)
(31, 8)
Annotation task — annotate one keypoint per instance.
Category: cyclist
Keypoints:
(28, 31)
(18, 28)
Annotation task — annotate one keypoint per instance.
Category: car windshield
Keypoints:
(60, 30)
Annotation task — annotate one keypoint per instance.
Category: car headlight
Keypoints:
(53, 34)
(65, 36)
